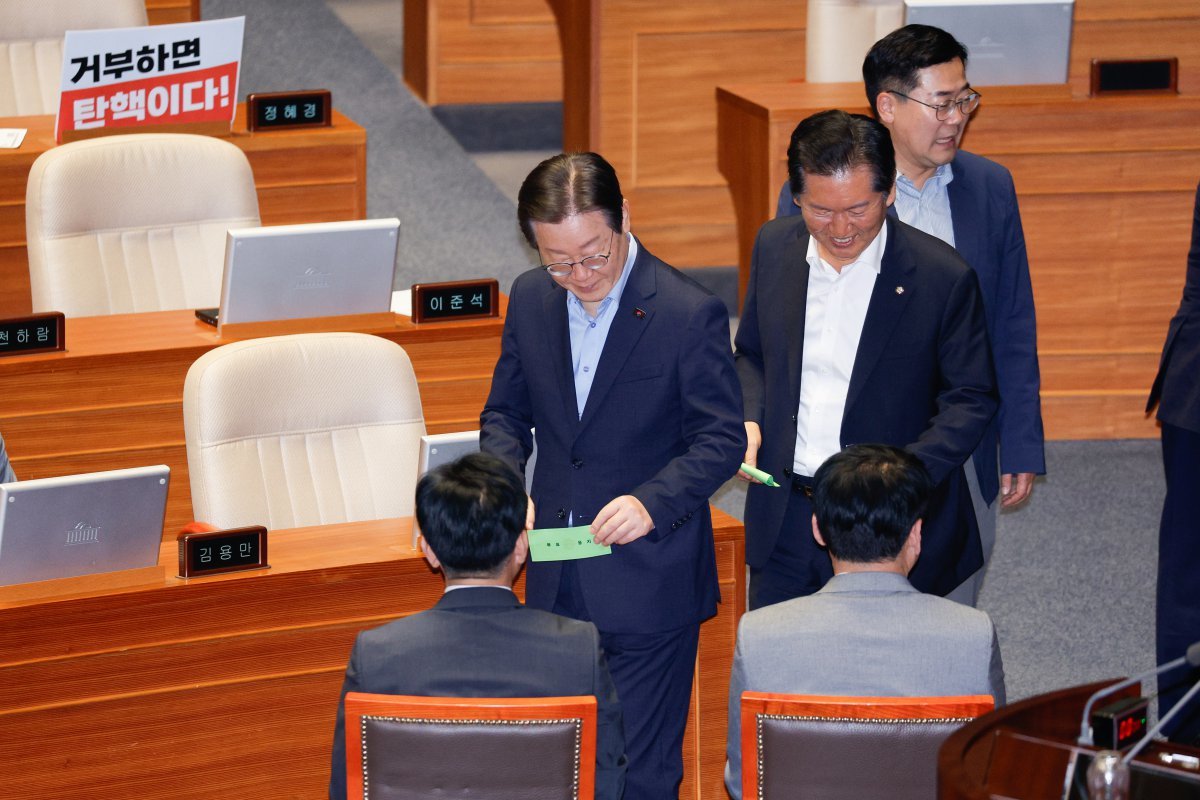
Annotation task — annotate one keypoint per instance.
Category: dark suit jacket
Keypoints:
(922, 380)
(663, 422)
(482, 642)
(1176, 387)
(989, 236)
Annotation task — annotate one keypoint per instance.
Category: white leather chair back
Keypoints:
(31, 46)
(840, 32)
(134, 222)
(310, 429)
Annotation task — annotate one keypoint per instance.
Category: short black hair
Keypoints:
(565, 185)
(832, 142)
(893, 62)
(866, 499)
(471, 512)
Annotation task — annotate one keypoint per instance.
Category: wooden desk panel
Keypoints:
(163, 12)
(1106, 187)
(115, 398)
(105, 692)
(310, 175)
(482, 51)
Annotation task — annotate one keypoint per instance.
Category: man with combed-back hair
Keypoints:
(867, 632)
(623, 366)
(479, 640)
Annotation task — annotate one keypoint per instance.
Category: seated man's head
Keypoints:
(842, 172)
(867, 505)
(471, 513)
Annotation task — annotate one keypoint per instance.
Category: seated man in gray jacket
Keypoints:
(480, 640)
(867, 632)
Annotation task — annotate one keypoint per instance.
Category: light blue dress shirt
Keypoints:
(6, 472)
(589, 333)
(927, 209)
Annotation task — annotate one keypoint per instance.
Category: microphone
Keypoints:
(1163, 720)
(1191, 657)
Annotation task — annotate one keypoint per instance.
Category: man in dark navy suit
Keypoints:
(857, 328)
(1176, 392)
(622, 365)
(479, 641)
(917, 86)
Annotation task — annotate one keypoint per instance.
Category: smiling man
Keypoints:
(857, 328)
(623, 366)
(916, 82)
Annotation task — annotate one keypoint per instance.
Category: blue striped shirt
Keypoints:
(928, 208)
(589, 333)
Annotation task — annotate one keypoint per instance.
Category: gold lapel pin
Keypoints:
(899, 290)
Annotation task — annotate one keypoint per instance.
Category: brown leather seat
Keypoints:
(411, 748)
(803, 747)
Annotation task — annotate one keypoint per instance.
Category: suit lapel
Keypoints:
(793, 293)
(963, 215)
(893, 289)
(626, 329)
(554, 306)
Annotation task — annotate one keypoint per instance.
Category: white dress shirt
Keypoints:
(833, 321)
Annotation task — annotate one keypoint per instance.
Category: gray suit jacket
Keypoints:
(483, 642)
(863, 634)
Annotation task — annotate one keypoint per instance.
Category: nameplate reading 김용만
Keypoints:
(214, 552)
(306, 109)
(434, 302)
(33, 334)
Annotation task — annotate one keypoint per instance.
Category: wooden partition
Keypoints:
(1106, 188)
(481, 51)
(308, 175)
(639, 82)
(162, 12)
(227, 686)
(115, 398)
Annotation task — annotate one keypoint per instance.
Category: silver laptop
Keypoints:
(1009, 42)
(314, 270)
(81, 524)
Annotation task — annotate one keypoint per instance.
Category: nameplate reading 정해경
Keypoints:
(33, 334)
(307, 109)
(452, 300)
(214, 552)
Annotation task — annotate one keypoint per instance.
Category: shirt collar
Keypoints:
(614, 294)
(939, 179)
(872, 255)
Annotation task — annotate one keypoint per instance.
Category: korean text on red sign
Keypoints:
(163, 74)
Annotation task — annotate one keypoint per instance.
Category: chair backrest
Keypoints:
(309, 429)
(134, 222)
(840, 32)
(31, 46)
(405, 748)
(857, 748)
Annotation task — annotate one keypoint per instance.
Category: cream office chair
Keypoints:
(840, 32)
(31, 46)
(136, 222)
(309, 429)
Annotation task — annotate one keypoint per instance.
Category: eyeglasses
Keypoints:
(561, 269)
(965, 105)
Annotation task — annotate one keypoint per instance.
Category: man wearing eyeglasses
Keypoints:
(917, 86)
(623, 366)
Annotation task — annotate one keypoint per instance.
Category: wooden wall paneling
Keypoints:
(482, 51)
(310, 175)
(163, 12)
(1148, 29)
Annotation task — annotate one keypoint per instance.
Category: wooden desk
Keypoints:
(309, 175)
(1023, 751)
(227, 686)
(1106, 188)
(115, 398)
(163, 12)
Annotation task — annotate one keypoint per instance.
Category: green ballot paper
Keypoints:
(564, 544)
(759, 474)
